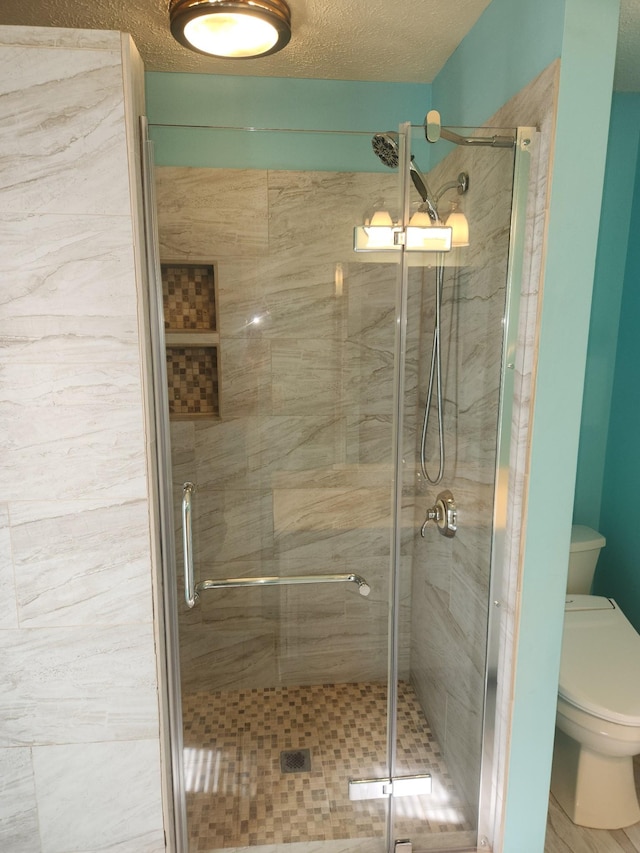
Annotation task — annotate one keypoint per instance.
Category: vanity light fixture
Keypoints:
(381, 234)
(457, 221)
(231, 29)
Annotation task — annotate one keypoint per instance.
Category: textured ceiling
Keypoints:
(383, 40)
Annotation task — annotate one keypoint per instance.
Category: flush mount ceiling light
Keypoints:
(231, 29)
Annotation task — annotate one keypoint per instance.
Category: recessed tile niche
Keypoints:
(192, 339)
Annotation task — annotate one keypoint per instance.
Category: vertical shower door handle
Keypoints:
(187, 545)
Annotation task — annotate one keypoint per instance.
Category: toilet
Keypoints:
(598, 715)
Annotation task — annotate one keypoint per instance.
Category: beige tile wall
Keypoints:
(296, 476)
(79, 725)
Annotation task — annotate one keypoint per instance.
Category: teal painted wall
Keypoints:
(586, 82)
(618, 573)
(195, 101)
(511, 43)
(613, 240)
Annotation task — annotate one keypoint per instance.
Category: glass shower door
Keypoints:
(465, 295)
(282, 399)
(333, 659)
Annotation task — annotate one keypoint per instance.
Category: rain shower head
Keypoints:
(386, 147)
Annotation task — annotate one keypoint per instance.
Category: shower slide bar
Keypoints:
(192, 590)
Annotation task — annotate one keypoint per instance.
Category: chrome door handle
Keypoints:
(190, 594)
(235, 583)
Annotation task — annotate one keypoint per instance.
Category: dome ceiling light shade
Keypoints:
(231, 29)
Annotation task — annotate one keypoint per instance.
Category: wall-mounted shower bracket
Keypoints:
(445, 514)
(461, 184)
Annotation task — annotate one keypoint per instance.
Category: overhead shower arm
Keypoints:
(434, 131)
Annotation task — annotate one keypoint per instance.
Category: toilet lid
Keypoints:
(600, 667)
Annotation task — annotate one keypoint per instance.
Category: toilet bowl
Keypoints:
(598, 715)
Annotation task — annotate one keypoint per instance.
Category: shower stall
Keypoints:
(331, 671)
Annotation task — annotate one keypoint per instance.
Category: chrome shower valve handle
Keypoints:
(445, 514)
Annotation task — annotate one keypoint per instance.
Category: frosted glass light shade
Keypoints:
(231, 29)
(459, 224)
(425, 235)
(380, 231)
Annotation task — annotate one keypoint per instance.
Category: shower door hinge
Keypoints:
(399, 237)
(398, 786)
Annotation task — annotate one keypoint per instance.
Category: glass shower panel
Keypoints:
(284, 684)
(446, 595)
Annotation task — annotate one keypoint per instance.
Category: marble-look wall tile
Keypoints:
(183, 449)
(68, 161)
(231, 525)
(79, 682)
(331, 509)
(318, 210)
(73, 296)
(70, 384)
(276, 296)
(74, 685)
(251, 451)
(56, 37)
(369, 439)
(85, 797)
(245, 377)
(8, 606)
(36, 453)
(19, 830)
(81, 562)
(207, 214)
(306, 377)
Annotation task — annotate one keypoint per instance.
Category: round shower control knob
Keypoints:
(445, 514)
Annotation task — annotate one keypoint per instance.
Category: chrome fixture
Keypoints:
(386, 147)
(425, 232)
(293, 580)
(445, 514)
(190, 594)
(434, 131)
(231, 29)
(193, 590)
(398, 786)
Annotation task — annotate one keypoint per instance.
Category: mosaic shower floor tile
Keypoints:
(238, 795)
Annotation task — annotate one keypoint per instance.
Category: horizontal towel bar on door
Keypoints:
(235, 583)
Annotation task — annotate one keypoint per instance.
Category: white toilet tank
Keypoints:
(583, 556)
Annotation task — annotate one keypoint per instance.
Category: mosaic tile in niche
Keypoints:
(193, 380)
(189, 297)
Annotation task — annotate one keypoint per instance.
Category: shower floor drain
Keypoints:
(295, 760)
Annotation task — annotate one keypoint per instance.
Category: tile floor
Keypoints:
(238, 796)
